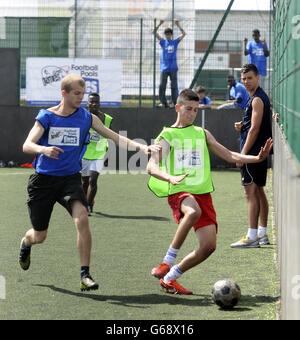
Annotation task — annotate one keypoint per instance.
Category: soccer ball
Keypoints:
(226, 293)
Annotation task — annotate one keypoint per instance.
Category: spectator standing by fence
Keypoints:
(258, 52)
(168, 62)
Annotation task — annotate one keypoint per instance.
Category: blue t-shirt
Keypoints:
(69, 133)
(205, 101)
(168, 55)
(240, 94)
(257, 57)
(265, 130)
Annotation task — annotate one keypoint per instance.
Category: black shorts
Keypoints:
(44, 191)
(255, 173)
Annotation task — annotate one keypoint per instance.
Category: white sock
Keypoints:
(262, 231)
(171, 256)
(173, 274)
(252, 234)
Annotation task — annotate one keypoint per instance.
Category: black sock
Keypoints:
(85, 271)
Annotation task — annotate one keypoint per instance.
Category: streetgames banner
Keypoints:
(44, 75)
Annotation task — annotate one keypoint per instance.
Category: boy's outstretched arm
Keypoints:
(121, 141)
(183, 34)
(234, 157)
(153, 165)
(158, 36)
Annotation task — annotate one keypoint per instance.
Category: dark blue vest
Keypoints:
(265, 131)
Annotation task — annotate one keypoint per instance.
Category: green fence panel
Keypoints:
(37, 37)
(287, 70)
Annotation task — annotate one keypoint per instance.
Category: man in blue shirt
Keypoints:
(257, 52)
(59, 139)
(168, 62)
(238, 95)
(204, 101)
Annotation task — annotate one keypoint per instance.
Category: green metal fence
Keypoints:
(287, 71)
(37, 37)
(87, 29)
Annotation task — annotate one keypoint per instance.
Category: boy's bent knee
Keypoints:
(40, 237)
(209, 248)
(82, 219)
(193, 215)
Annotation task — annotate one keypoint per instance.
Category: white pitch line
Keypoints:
(15, 173)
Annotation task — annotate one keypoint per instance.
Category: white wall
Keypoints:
(287, 217)
(238, 25)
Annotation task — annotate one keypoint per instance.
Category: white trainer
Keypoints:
(264, 240)
(246, 242)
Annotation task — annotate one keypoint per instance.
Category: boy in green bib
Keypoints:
(181, 172)
(93, 159)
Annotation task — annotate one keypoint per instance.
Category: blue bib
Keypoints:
(70, 134)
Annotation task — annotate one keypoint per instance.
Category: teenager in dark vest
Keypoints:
(255, 129)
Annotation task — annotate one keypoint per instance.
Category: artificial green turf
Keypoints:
(131, 231)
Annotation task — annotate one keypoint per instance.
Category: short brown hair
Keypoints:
(69, 80)
(187, 95)
(200, 89)
(248, 68)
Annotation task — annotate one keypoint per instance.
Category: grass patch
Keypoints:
(131, 232)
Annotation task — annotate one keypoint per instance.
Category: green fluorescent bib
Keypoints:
(98, 145)
(188, 155)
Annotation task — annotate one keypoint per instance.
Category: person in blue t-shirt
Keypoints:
(59, 139)
(168, 62)
(204, 101)
(257, 52)
(238, 95)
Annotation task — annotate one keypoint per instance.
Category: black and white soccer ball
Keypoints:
(226, 293)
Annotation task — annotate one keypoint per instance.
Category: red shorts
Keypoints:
(208, 215)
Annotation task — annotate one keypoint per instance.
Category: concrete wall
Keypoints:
(146, 124)
(287, 217)
(9, 73)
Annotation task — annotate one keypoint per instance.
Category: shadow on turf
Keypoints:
(151, 218)
(132, 300)
(246, 304)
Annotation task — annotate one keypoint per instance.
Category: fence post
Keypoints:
(2, 288)
(20, 59)
(141, 63)
(154, 64)
(173, 13)
(203, 117)
(75, 28)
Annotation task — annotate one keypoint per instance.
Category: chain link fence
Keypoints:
(124, 30)
(287, 152)
(287, 72)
